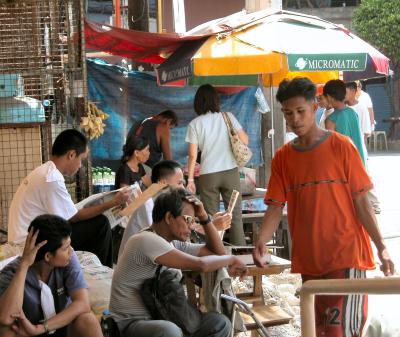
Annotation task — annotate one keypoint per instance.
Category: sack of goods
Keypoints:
(241, 151)
(165, 299)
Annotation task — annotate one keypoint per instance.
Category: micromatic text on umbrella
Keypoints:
(354, 62)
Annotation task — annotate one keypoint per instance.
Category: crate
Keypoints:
(11, 85)
(21, 110)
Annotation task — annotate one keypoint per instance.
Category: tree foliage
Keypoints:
(378, 22)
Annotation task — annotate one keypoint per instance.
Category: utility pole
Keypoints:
(138, 19)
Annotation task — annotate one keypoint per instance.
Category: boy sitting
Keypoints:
(44, 291)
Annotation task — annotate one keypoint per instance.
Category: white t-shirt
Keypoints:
(42, 191)
(210, 133)
(365, 98)
(135, 265)
(363, 116)
(139, 220)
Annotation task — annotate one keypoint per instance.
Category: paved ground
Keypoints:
(385, 171)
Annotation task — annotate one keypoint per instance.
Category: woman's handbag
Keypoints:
(241, 151)
(165, 299)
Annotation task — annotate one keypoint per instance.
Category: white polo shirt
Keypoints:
(43, 191)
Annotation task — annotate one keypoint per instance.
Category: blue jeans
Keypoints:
(212, 325)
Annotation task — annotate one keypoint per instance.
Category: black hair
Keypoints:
(335, 89)
(132, 144)
(171, 115)
(52, 228)
(169, 201)
(206, 99)
(351, 85)
(298, 87)
(67, 140)
(164, 169)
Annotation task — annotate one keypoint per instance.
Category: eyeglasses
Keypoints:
(188, 219)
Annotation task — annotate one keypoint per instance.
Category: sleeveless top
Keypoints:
(148, 130)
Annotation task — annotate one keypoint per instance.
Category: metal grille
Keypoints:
(42, 87)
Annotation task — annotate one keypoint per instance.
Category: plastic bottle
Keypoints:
(100, 180)
(107, 179)
(112, 180)
(95, 180)
(104, 324)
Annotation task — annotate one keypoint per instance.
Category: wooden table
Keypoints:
(268, 315)
(282, 236)
(276, 266)
(394, 126)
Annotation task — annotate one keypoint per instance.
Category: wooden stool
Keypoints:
(263, 315)
(268, 315)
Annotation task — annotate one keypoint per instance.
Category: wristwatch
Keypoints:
(45, 326)
(206, 221)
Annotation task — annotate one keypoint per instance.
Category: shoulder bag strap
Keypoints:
(228, 123)
(157, 276)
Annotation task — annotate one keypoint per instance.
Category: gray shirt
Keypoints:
(137, 264)
(63, 281)
(209, 132)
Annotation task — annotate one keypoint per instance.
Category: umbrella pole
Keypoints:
(271, 132)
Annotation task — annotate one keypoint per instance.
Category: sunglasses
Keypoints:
(190, 220)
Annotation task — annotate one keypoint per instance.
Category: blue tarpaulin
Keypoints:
(130, 96)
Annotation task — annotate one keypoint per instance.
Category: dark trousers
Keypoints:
(94, 235)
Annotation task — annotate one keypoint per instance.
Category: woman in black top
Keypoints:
(135, 153)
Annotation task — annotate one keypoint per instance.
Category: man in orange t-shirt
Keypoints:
(321, 177)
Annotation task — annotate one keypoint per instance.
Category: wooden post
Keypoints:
(117, 9)
(339, 287)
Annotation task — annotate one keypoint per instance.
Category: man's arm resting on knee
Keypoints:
(368, 219)
(11, 300)
(80, 305)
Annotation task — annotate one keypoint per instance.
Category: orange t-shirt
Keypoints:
(319, 186)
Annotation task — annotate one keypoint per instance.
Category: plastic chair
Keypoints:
(378, 141)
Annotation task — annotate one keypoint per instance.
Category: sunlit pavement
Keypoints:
(384, 168)
(385, 171)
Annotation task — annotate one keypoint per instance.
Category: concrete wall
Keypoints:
(338, 15)
(200, 11)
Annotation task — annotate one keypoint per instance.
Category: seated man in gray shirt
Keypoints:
(166, 243)
(44, 291)
(165, 172)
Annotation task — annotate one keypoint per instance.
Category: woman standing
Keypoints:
(219, 173)
(135, 153)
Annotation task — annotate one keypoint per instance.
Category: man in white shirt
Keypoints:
(43, 191)
(366, 129)
(360, 108)
(365, 98)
